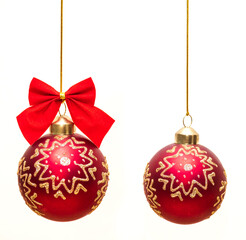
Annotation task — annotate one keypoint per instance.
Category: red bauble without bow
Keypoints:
(63, 177)
(185, 183)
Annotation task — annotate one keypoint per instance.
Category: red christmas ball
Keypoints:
(185, 183)
(63, 177)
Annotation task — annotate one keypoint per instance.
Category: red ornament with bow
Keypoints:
(63, 176)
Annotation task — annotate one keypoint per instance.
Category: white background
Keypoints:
(135, 52)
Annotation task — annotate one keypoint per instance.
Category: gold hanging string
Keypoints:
(61, 93)
(187, 71)
(187, 61)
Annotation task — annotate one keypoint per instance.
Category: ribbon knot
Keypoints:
(62, 96)
(45, 102)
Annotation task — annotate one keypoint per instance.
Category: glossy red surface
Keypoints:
(63, 178)
(185, 183)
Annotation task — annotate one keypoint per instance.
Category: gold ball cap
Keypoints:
(186, 135)
(62, 125)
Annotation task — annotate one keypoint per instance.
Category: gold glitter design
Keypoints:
(25, 178)
(24, 167)
(59, 194)
(101, 193)
(187, 147)
(171, 150)
(35, 154)
(223, 185)
(211, 162)
(60, 137)
(177, 194)
(45, 145)
(29, 181)
(195, 192)
(38, 166)
(91, 171)
(91, 155)
(79, 186)
(77, 142)
(46, 186)
(20, 163)
(180, 189)
(151, 196)
(220, 198)
(165, 182)
(210, 177)
(46, 182)
(201, 151)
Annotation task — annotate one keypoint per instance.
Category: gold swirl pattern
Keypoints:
(25, 178)
(171, 150)
(151, 196)
(101, 193)
(193, 190)
(220, 198)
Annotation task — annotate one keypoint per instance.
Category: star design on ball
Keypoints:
(188, 171)
(55, 164)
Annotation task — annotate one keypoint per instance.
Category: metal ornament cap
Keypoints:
(186, 135)
(62, 125)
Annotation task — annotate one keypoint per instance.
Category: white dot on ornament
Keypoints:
(68, 169)
(198, 176)
(185, 158)
(60, 170)
(180, 164)
(184, 176)
(188, 167)
(191, 173)
(50, 171)
(79, 151)
(57, 178)
(181, 154)
(189, 182)
(78, 172)
(177, 180)
(203, 165)
(72, 155)
(65, 161)
(178, 171)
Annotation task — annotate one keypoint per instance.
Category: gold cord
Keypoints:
(61, 46)
(187, 61)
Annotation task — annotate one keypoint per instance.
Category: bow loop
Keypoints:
(83, 91)
(45, 102)
(40, 92)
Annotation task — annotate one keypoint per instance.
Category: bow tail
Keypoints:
(92, 121)
(35, 120)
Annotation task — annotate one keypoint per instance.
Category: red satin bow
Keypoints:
(45, 102)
